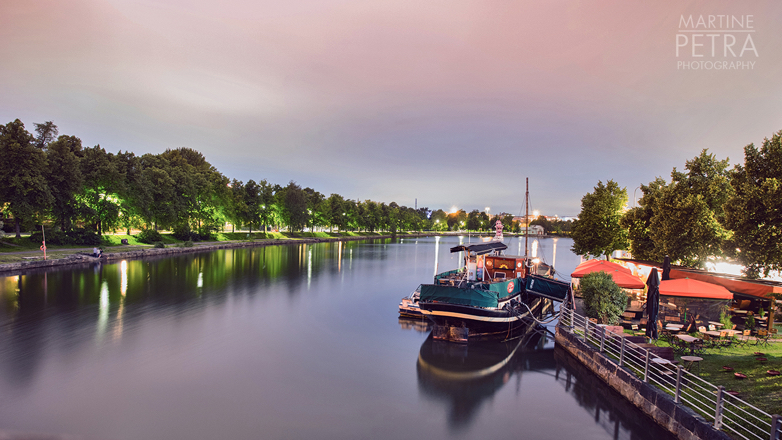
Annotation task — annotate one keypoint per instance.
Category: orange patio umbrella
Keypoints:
(622, 276)
(586, 267)
(689, 288)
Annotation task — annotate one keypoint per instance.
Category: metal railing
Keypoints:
(725, 411)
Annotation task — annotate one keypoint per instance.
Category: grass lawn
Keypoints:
(758, 389)
(13, 250)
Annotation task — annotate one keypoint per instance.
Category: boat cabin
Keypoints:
(485, 262)
(504, 266)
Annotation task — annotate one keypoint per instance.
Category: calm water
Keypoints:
(281, 342)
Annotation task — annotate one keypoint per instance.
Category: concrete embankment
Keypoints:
(82, 259)
(681, 421)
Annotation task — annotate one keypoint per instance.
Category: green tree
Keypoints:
(687, 221)
(103, 184)
(753, 211)
(473, 220)
(336, 212)
(23, 188)
(439, 220)
(47, 132)
(597, 230)
(253, 200)
(64, 178)
(682, 219)
(237, 210)
(268, 210)
(155, 194)
(294, 208)
(638, 221)
(603, 299)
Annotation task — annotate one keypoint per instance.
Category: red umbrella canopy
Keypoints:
(622, 276)
(590, 266)
(688, 288)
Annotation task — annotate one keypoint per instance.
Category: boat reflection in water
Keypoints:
(421, 325)
(468, 377)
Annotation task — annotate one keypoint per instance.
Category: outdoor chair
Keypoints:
(762, 338)
(702, 329)
(744, 338)
(709, 342)
(667, 336)
(712, 328)
(725, 340)
(698, 347)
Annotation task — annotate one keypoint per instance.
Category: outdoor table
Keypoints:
(692, 360)
(716, 324)
(740, 312)
(689, 340)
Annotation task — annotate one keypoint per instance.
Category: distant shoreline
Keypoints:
(76, 259)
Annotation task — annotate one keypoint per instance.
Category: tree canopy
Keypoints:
(597, 230)
(684, 218)
(753, 211)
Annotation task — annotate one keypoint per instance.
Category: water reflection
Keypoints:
(420, 325)
(609, 410)
(465, 378)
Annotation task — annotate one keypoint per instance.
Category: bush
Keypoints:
(149, 236)
(159, 245)
(188, 243)
(184, 233)
(603, 299)
(181, 232)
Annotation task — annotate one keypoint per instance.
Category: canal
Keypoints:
(282, 342)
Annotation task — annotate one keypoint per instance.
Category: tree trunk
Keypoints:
(18, 228)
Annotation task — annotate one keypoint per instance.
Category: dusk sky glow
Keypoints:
(450, 103)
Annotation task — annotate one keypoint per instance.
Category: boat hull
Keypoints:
(460, 323)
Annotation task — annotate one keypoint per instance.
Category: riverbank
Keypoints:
(30, 260)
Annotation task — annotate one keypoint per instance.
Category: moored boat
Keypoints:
(493, 294)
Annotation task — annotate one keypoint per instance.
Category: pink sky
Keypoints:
(392, 100)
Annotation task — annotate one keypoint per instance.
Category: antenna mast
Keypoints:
(526, 218)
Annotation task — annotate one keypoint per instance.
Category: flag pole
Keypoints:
(43, 246)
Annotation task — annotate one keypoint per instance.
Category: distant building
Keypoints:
(536, 230)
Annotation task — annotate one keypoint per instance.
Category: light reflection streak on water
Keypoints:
(535, 249)
(116, 334)
(123, 284)
(339, 256)
(309, 267)
(554, 259)
(103, 310)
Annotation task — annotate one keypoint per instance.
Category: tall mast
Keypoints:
(526, 218)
